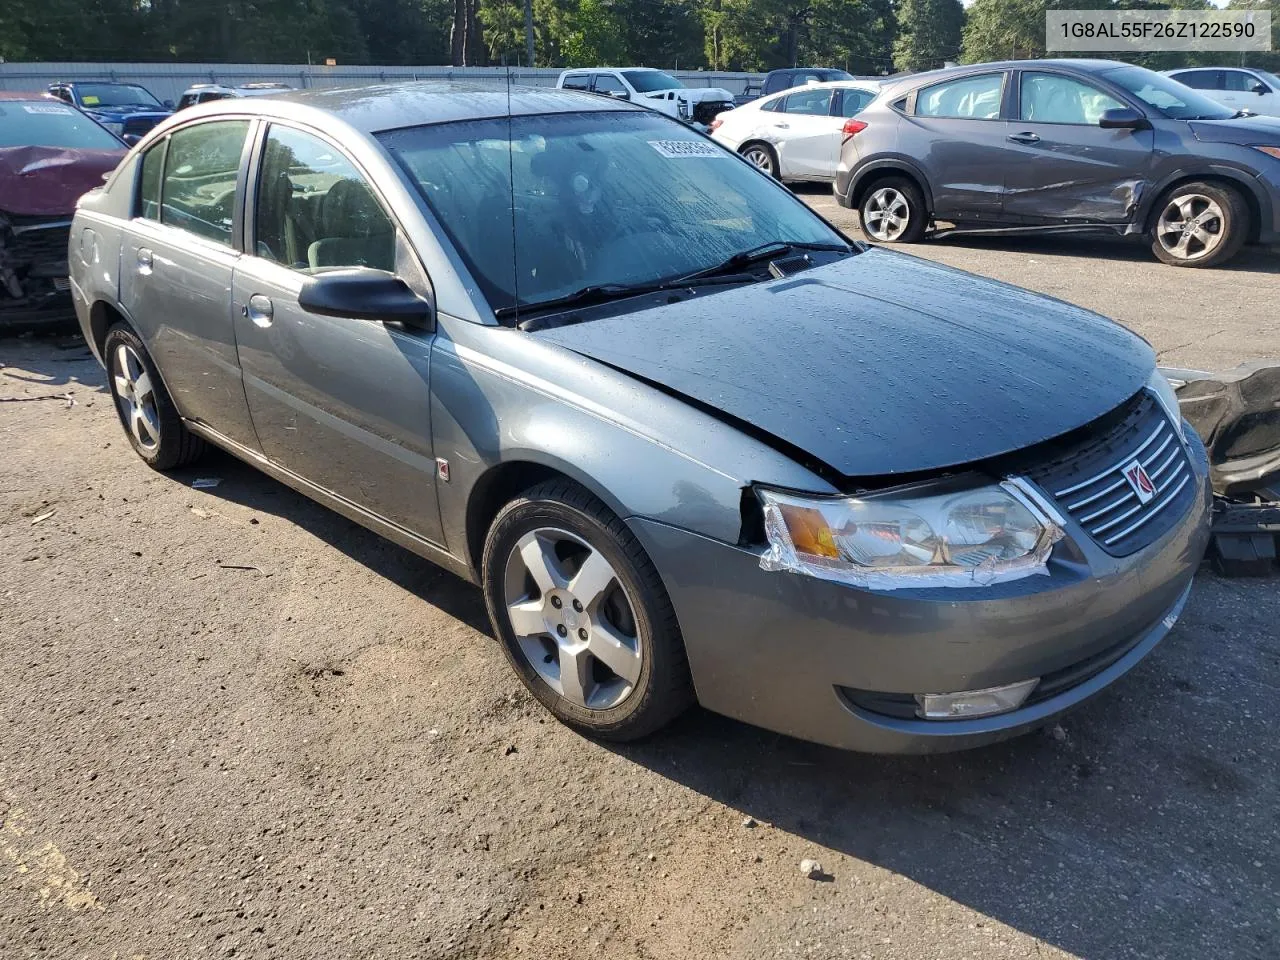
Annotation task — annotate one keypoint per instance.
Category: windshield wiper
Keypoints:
(766, 251)
(594, 294)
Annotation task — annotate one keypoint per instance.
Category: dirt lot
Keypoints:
(237, 725)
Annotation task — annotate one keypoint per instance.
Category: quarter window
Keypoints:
(973, 98)
(815, 103)
(149, 185)
(200, 172)
(315, 210)
(1050, 98)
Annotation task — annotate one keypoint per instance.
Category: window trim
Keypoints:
(1002, 114)
(252, 174)
(1017, 105)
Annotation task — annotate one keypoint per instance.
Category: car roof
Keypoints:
(23, 95)
(628, 69)
(912, 80)
(390, 106)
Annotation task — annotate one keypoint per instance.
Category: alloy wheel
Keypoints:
(760, 158)
(136, 397)
(886, 214)
(1191, 227)
(572, 619)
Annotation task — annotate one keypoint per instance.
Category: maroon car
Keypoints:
(50, 154)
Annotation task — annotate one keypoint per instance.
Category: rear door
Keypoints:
(957, 131)
(343, 403)
(176, 266)
(805, 133)
(1064, 166)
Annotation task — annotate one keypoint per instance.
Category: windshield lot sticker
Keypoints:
(45, 108)
(682, 149)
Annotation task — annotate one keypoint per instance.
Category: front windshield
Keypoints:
(566, 201)
(114, 95)
(1173, 99)
(44, 123)
(649, 81)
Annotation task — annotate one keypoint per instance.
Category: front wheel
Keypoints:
(893, 211)
(582, 614)
(1199, 225)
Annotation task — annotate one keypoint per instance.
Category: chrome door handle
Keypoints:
(782, 126)
(259, 310)
(146, 261)
(1024, 138)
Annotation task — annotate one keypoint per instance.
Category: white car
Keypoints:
(653, 89)
(796, 134)
(1244, 88)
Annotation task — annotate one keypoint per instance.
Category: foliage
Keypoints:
(928, 33)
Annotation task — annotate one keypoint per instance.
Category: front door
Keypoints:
(1065, 167)
(343, 403)
(956, 131)
(176, 267)
(1243, 90)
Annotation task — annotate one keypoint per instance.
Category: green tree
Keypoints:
(503, 23)
(1003, 30)
(928, 33)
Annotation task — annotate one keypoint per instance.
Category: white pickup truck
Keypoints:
(653, 89)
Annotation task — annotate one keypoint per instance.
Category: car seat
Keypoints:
(353, 229)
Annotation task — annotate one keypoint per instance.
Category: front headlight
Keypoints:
(1159, 384)
(953, 534)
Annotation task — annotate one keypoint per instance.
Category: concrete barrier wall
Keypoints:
(168, 80)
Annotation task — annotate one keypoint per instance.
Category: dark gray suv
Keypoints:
(1063, 145)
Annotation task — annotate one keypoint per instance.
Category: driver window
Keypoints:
(1237, 81)
(314, 210)
(1049, 98)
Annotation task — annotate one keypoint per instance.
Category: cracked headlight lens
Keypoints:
(951, 534)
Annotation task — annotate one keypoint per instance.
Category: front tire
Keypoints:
(893, 211)
(582, 614)
(150, 420)
(762, 157)
(1199, 225)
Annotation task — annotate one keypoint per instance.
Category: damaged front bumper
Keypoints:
(34, 287)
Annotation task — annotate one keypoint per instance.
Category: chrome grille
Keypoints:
(1090, 485)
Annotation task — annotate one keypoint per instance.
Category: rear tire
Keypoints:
(582, 615)
(1199, 225)
(763, 157)
(150, 420)
(893, 211)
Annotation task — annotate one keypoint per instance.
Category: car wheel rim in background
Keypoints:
(886, 214)
(759, 158)
(1191, 227)
(572, 618)
(135, 397)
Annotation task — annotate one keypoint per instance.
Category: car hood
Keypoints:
(1264, 131)
(692, 94)
(880, 363)
(47, 181)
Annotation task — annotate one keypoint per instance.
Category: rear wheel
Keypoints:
(582, 614)
(762, 157)
(1199, 225)
(893, 211)
(150, 420)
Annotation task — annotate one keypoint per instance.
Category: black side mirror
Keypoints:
(1260, 88)
(168, 104)
(1122, 118)
(361, 293)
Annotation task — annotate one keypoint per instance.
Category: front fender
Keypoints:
(500, 397)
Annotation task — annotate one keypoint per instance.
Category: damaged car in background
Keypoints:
(651, 88)
(50, 153)
(691, 442)
(1063, 146)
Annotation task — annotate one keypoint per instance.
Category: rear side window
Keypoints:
(972, 98)
(577, 81)
(815, 103)
(1200, 79)
(315, 210)
(853, 101)
(199, 187)
(149, 181)
(608, 83)
(1050, 98)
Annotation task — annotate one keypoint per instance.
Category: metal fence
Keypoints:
(168, 80)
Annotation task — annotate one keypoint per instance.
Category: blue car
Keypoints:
(126, 109)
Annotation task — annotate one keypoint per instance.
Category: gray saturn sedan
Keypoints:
(692, 442)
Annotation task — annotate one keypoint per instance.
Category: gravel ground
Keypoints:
(238, 725)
